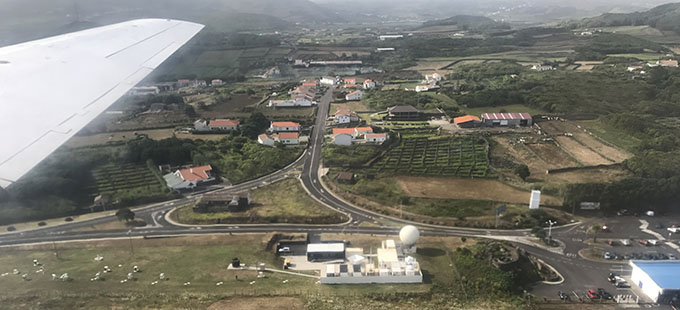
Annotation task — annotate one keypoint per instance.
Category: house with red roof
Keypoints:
(265, 139)
(368, 84)
(360, 131)
(354, 96)
(223, 124)
(284, 126)
(189, 178)
(289, 138)
(345, 116)
(467, 121)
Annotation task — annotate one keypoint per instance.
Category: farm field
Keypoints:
(281, 202)
(609, 134)
(235, 104)
(640, 56)
(580, 135)
(457, 188)
(445, 156)
(354, 106)
(583, 154)
(126, 181)
(551, 157)
(587, 65)
(154, 134)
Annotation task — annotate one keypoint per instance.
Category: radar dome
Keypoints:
(409, 234)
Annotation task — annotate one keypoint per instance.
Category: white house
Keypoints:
(144, 90)
(360, 131)
(342, 139)
(291, 103)
(345, 116)
(422, 88)
(542, 68)
(354, 96)
(328, 80)
(375, 137)
(391, 36)
(201, 125)
(668, 63)
(223, 124)
(433, 78)
(216, 82)
(284, 127)
(265, 139)
(289, 138)
(189, 178)
(368, 84)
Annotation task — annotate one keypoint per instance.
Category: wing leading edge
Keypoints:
(52, 88)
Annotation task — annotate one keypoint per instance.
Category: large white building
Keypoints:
(391, 264)
(354, 96)
(659, 280)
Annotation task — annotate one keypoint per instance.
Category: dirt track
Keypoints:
(259, 303)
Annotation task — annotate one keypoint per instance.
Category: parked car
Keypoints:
(563, 296)
(644, 242)
(612, 242)
(623, 284)
(284, 249)
(592, 294)
(672, 256)
(625, 242)
(653, 242)
(604, 294)
(612, 277)
(608, 255)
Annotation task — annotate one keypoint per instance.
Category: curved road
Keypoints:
(310, 161)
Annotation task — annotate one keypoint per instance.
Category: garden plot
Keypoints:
(465, 157)
(127, 180)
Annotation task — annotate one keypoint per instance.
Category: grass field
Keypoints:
(610, 134)
(127, 181)
(640, 56)
(281, 202)
(201, 261)
(436, 156)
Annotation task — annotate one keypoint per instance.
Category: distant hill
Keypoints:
(467, 22)
(664, 17)
(20, 21)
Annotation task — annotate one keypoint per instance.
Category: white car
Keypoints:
(284, 249)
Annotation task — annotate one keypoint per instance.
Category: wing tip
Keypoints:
(156, 20)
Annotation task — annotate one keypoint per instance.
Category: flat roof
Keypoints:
(506, 116)
(325, 247)
(388, 255)
(665, 273)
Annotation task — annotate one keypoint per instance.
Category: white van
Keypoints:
(625, 242)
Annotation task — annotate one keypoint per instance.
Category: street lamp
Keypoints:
(550, 225)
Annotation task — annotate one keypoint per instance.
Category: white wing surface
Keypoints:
(52, 88)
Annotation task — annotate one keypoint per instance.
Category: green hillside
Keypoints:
(664, 17)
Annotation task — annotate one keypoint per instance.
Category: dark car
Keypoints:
(612, 277)
(563, 296)
(604, 294)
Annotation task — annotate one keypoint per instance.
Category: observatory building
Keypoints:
(390, 263)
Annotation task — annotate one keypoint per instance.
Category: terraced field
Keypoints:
(440, 156)
(126, 180)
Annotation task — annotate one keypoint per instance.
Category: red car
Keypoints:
(644, 242)
(592, 294)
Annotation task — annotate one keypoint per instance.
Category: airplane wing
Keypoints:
(52, 88)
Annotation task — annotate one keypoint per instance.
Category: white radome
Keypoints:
(408, 235)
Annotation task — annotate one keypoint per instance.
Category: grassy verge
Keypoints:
(281, 202)
(611, 135)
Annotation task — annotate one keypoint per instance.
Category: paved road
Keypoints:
(579, 273)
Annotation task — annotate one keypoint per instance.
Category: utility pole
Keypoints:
(550, 225)
(132, 250)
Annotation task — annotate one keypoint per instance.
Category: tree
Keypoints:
(125, 214)
(522, 171)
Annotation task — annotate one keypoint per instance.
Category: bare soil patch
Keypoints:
(259, 303)
(478, 189)
(553, 156)
(237, 102)
(584, 155)
(579, 134)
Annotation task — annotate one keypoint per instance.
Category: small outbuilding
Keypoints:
(325, 251)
